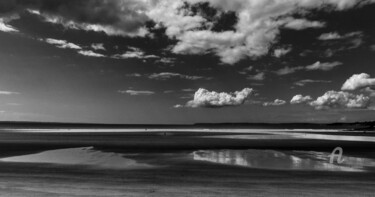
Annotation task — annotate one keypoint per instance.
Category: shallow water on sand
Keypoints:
(252, 158)
(80, 156)
(283, 160)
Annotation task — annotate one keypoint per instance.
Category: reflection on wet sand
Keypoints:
(80, 156)
(288, 160)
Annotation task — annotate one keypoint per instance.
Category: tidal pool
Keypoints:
(87, 156)
(283, 160)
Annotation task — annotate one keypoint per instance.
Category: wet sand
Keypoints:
(183, 164)
(178, 176)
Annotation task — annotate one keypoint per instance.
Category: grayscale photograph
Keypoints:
(201, 98)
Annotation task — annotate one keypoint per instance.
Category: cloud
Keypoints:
(166, 60)
(124, 18)
(8, 93)
(136, 92)
(257, 23)
(358, 81)
(307, 81)
(68, 45)
(257, 77)
(169, 75)
(276, 102)
(298, 99)
(134, 53)
(281, 52)
(178, 106)
(205, 98)
(325, 66)
(329, 36)
(246, 70)
(288, 70)
(90, 53)
(134, 75)
(348, 41)
(189, 96)
(5, 27)
(62, 44)
(369, 91)
(257, 26)
(98, 46)
(188, 90)
(250, 68)
(336, 36)
(339, 99)
(299, 24)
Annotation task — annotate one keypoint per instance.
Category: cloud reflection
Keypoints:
(286, 160)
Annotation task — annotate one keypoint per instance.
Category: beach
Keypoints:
(177, 163)
(202, 98)
(178, 177)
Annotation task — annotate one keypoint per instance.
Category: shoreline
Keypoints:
(177, 172)
(178, 177)
(187, 140)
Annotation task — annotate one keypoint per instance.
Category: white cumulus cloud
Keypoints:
(276, 102)
(339, 99)
(298, 99)
(205, 98)
(358, 81)
(369, 91)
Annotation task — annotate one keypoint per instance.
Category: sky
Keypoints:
(187, 61)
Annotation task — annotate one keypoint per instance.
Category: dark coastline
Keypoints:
(366, 126)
